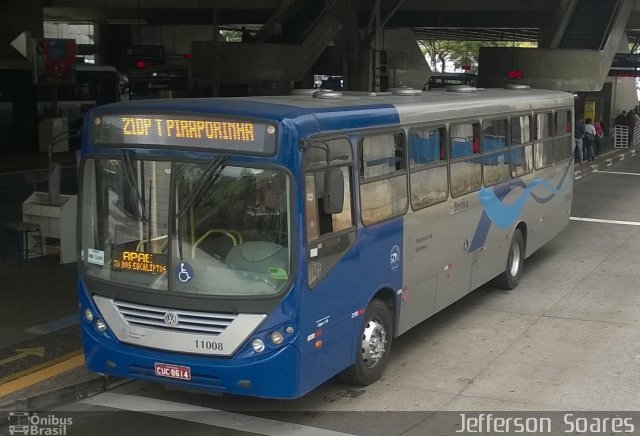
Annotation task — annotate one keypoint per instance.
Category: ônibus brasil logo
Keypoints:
(25, 423)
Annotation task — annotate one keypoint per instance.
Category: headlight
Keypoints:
(276, 337)
(101, 326)
(258, 345)
(88, 315)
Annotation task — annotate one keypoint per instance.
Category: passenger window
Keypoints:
(382, 155)
(466, 161)
(520, 130)
(495, 151)
(521, 147)
(564, 135)
(329, 235)
(543, 146)
(383, 185)
(428, 167)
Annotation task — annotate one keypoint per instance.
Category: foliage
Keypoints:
(231, 35)
(443, 54)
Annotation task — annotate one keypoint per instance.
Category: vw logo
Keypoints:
(171, 319)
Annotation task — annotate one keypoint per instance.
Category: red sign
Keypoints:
(173, 371)
(466, 67)
(515, 74)
(56, 60)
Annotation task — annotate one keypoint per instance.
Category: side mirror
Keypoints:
(333, 195)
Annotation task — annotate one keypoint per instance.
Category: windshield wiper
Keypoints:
(211, 174)
(133, 184)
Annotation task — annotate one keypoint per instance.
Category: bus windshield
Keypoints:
(205, 228)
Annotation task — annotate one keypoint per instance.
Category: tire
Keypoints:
(511, 276)
(376, 336)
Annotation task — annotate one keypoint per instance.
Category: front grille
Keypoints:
(187, 321)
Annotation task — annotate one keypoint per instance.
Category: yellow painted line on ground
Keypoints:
(20, 381)
(35, 368)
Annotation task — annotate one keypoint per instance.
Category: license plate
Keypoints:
(173, 371)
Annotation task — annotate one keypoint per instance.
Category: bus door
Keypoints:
(327, 306)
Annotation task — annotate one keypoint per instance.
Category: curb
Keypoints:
(73, 385)
(605, 160)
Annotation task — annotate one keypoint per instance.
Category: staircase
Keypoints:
(589, 25)
(305, 30)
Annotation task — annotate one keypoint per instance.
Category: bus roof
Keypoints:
(363, 110)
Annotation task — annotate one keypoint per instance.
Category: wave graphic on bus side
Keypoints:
(505, 215)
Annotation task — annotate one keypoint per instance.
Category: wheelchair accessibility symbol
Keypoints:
(184, 272)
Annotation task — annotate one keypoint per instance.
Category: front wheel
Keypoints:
(376, 336)
(511, 277)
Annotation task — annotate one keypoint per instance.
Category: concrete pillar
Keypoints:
(406, 63)
(623, 89)
(351, 36)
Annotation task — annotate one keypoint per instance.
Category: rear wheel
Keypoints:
(511, 277)
(376, 336)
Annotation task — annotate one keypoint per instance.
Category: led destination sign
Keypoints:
(192, 131)
(140, 262)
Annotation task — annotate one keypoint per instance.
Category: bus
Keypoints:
(262, 245)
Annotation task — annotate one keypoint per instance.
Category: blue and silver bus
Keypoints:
(263, 245)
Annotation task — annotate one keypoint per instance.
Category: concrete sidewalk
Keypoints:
(608, 155)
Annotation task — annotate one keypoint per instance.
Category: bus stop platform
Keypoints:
(41, 361)
(38, 325)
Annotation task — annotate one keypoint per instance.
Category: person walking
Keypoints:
(599, 135)
(578, 134)
(631, 124)
(589, 140)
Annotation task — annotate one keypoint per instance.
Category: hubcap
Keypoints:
(515, 260)
(374, 339)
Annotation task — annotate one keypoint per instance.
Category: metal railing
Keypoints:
(624, 138)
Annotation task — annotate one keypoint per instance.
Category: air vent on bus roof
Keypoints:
(517, 86)
(365, 93)
(327, 93)
(405, 90)
(461, 88)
